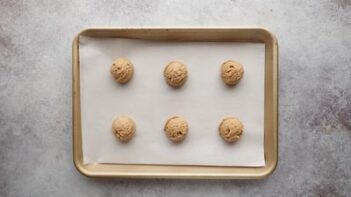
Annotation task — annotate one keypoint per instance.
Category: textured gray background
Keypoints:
(35, 94)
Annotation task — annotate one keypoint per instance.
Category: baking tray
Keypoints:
(218, 34)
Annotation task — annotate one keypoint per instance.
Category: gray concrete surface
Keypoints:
(35, 94)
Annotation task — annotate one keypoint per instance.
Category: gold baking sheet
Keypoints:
(223, 34)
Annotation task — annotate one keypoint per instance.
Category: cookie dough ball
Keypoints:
(175, 73)
(232, 72)
(176, 129)
(124, 128)
(122, 70)
(231, 129)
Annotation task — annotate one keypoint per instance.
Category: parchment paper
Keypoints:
(203, 101)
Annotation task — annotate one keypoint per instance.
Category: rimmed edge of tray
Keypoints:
(225, 34)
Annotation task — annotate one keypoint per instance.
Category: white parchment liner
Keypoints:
(203, 101)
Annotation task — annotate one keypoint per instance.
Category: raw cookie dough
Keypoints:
(122, 70)
(124, 128)
(175, 73)
(231, 129)
(232, 72)
(176, 128)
